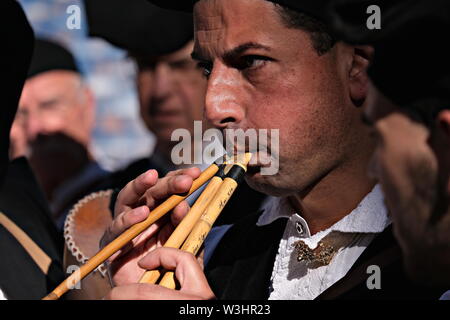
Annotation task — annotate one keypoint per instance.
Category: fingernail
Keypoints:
(139, 211)
(150, 174)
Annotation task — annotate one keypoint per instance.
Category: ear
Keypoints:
(358, 78)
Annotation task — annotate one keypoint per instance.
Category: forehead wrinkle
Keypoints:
(220, 27)
(206, 23)
(208, 29)
(208, 36)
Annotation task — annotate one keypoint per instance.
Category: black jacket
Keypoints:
(242, 264)
(22, 201)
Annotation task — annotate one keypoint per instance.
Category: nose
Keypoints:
(163, 81)
(33, 126)
(224, 97)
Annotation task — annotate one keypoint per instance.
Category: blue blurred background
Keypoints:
(119, 135)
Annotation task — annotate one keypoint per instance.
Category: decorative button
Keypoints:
(299, 227)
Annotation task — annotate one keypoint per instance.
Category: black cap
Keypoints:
(138, 26)
(411, 65)
(17, 47)
(349, 18)
(48, 56)
(314, 8)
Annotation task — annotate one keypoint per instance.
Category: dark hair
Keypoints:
(321, 38)
(426, 111)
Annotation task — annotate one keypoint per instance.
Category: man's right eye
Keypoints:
(206, 68)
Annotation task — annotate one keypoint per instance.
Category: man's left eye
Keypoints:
(253, 62)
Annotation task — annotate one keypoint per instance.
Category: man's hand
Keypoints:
(134, 203)
(188, 272)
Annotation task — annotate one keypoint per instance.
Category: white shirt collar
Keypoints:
(370, 216)
(2, 295)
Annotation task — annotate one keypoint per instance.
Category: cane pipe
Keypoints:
(184, 228)
(198, 234)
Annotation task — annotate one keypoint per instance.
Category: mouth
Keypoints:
(258, 160)
(253, 170)
(164, 107)
(165, 116)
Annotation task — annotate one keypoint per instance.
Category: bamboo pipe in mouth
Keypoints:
(201, 229)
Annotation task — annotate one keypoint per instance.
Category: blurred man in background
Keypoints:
(170, 88)
(54, 125)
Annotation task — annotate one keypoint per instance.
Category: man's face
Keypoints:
(412, 166)
(263, 75)
(171, 93)
(55, 101)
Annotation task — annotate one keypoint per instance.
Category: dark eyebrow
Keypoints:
(232, 53)
(196, 56)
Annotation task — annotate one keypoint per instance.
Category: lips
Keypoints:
(162, 114)
(259, 159)
(164, 107)
(165, 115)
(251, 170)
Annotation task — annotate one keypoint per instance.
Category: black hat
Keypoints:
(349, 18)
(49, 55)
(314, 8)
(318, 9)
(138, 26)
(411, 65)
(17, 47)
